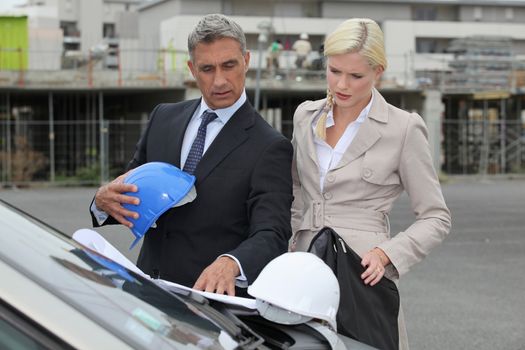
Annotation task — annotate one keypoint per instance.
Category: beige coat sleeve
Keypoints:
(297, 204)
(421, 183)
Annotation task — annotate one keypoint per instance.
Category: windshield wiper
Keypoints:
(226, 320)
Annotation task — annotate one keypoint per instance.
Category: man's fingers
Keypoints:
(219, 289)
(122, 187)
(210, 287)
(122, 198)
(110, 198)
(224, 287)
(202, 281)
(121, 219)
(199, 285)
(128, 213)
(214, 286)
(230, 290)
(217, 278)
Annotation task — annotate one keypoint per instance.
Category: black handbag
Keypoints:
(367, 314)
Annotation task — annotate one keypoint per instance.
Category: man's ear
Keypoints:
(247, 61)
(191, 67)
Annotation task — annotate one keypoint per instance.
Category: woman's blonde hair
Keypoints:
(361, 35)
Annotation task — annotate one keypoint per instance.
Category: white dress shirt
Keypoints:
(214, 127)
(328, 157)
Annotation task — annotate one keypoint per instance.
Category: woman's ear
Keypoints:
(378, 73)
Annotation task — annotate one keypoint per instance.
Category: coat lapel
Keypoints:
(178, 127)
(232, 135)
(368, 133)
(364, 139)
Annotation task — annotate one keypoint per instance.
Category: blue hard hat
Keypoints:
(160, 187)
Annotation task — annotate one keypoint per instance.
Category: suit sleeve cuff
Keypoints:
(100, 215)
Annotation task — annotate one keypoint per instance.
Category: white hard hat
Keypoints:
(304, 36)
(296, 287)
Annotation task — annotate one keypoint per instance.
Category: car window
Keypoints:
(12, 338)
(17, 332)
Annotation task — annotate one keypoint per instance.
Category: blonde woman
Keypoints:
(355, 154)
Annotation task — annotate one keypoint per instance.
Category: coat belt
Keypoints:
(318, 215)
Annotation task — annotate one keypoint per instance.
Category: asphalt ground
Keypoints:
(468, 294)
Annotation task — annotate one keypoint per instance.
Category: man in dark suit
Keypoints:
(240, 219)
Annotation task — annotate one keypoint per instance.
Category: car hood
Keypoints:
(130, 307)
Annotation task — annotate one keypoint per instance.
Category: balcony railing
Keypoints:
(132, 67)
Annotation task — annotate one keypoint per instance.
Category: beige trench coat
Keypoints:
(389, 154)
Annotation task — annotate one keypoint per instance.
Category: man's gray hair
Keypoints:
(213, 27)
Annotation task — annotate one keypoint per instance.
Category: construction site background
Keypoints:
(43, 140)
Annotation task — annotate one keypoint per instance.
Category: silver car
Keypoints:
(57, 294)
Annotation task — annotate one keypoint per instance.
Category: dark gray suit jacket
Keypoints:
(244, 195)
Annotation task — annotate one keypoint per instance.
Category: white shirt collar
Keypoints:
(330, 116)
(224, 114)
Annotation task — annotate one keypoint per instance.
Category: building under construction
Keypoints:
(483, 131)
(75, 92)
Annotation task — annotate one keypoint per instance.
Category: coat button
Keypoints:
(327, 195)
(367, 172)
(330, 178)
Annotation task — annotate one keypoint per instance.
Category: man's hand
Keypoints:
(219, 277)
(109, 198)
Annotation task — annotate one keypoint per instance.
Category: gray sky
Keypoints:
(9, 4)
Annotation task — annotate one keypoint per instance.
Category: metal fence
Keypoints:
(71, 152)
(92, 152)
(130, 67)
(483, 147)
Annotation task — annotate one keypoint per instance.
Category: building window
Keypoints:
(108, 30)
(424, 13)
(69, 29)
(478, 13)
(312, 9)
(432, 45)
(509, 13)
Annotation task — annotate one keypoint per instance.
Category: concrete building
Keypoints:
(111, 61)
(63, 33)
(417, 33)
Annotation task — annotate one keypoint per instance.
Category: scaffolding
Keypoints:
(481, 63)
(483, 130)
(482, 134)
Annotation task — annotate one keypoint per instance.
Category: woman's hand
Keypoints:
(374, 261)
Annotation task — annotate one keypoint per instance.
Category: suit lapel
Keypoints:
(232, 135)
(178, 129)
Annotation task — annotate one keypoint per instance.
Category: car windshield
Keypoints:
(132, 308)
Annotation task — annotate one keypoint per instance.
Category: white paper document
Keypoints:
(94, 241)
